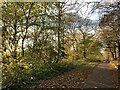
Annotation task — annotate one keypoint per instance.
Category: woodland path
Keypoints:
(103, 76)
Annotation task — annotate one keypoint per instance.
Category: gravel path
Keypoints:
(103, 76)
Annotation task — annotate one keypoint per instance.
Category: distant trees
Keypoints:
(80, 38)
(109, 41)
(111, 21)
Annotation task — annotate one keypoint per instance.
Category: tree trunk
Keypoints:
(27, 17)
(118, 50)
(115, 53)
(84, 54)
(118, 30)
(23, 47)
(112, 53)
(59, 30)
(84, 47)
(15, 42)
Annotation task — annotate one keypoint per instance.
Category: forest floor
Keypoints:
(91, 76)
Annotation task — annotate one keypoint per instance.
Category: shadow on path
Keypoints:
(103, 76)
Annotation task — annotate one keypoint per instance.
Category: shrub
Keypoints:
(21, 74)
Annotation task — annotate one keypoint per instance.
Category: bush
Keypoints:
(22, 74)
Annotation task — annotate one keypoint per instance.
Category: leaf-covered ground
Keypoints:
(71, 79)
(104, 76)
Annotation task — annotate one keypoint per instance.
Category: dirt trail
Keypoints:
(103, 76)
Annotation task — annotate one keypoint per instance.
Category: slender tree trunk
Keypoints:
(23, 47)
(115, 53)
(4, 32)
(27, 22)
(119, 50)
(15, 42)
(118, 30)
(84, 54)
(59, 30)
(84, 47)
(112, 53)
(23, 40)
